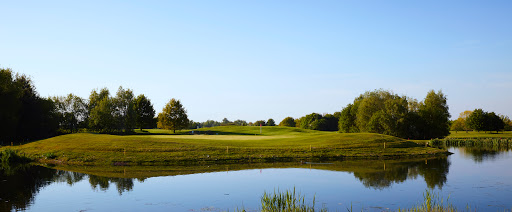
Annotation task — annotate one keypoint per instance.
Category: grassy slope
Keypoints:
(471, 134)
(232, 145)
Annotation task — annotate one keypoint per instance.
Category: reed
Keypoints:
(493, 143)
(9, 156)
(432, 202)
(286, 201)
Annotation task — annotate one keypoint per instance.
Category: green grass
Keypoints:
(481, 134)
(291, 201)
(232, 145)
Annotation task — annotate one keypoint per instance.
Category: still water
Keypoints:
(474, 177)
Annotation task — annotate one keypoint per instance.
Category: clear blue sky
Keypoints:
(255, 60)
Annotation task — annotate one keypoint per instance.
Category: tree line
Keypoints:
(481, 120)
(381, 111)
(26, 116)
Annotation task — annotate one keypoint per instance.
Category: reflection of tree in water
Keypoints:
(19, 184)
(479, 154)
(382, 179)
(434, 171)
(103, 183)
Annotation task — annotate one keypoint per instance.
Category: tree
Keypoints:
(210, 123)
(476, 120)
(271, 122)
(239, 122)
(73, 112)
(101, 117)
(124, 112)
(495, 123)
(434, 111)
(458, 125)
(173, 116)
(225, 121)
(464, 116)
(144, 112)
(508, 123)
(331, 122)
(306, 121)
(259, 123)
(287, 122)
(347, 119)
(10, 105)
(24, 114)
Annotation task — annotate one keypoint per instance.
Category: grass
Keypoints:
(287, 201)
(233, 144)
(290, 201)
(481, 134)
(9, 156)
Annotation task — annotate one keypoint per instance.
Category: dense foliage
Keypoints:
(173, 116)
(315, 121)
(383, 112)
(287, 122)
(144, 113)
(481, 120)
(271, 122)
(24, 114)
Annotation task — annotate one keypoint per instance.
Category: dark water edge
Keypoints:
(356, 182)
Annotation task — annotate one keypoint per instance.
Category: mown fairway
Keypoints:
(221, 145)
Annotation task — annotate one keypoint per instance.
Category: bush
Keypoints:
(9, 156)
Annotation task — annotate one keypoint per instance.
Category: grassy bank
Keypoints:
(219, 145)
(481, 134)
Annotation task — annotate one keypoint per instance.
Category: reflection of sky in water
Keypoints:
(468, 182)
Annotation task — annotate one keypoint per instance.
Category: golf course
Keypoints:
(225, 144)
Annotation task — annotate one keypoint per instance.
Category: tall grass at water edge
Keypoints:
(501, 143)
(9, 156)
(291, 201)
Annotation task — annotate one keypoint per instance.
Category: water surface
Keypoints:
(480, 178)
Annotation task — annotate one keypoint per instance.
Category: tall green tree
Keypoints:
(259, 123)
(306, 122)
(124, 110)
(173, 116)
(10, 105)
(101, 117)
(271, 122)
(24, 114)
(347, 119)
(144, 112)
(73, 112)
(331, 122)
(287, 122)
(477, 120)
(494, 122)
(239, 122)
(434, 112)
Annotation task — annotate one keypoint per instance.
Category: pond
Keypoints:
(475, 177)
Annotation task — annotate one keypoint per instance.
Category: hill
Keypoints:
(228, 144)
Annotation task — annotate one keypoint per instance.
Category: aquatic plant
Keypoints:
(9, 156)
(432, 202)
(287, 201)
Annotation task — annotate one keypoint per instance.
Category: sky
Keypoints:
(255, 60)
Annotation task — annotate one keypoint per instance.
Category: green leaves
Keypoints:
(173, 116)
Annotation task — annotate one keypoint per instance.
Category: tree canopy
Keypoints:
(383, 112)
(144, 112)
(173, 116)
(271, 122)
(287, 122)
